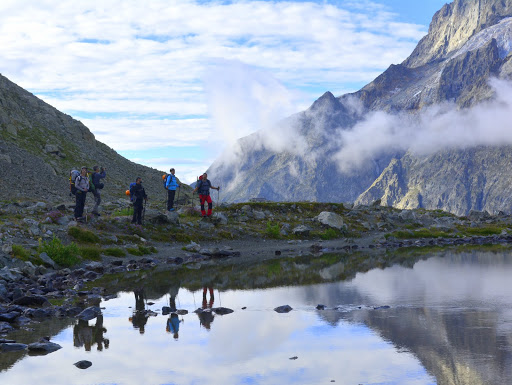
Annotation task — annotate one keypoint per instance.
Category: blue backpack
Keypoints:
(131, 185)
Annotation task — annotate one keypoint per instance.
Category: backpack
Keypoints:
(130, 190)
(164, 180)
(73, 174)
(91, 185)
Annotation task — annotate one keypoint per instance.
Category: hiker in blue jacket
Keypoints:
(171, 185)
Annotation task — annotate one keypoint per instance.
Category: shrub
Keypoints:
(64, 255)
(127, 211)
(115, 252)
(330, 233)
(82, 235)
(20, 252)
(273, 230)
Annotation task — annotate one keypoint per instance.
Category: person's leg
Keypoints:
(80, 203)
(170, 204)
(139, 214)
(210, 205)
(97, 200)
(202, 198)
(134, 218)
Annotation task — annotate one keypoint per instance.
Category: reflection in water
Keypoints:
(86, 335)
(448, 323)
(206, 316)
(173, 325)
(140, 316)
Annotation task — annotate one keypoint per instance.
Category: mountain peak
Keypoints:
(327, 100)
(453, 25)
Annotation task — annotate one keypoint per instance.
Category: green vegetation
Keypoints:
(84, 236)
(92, 253)
(481, 231)
(273, 230)
(420, 233)
(115, 252)
(141, 250)
(330, 233)
(64, 255)
(125, 212)
(20, 252)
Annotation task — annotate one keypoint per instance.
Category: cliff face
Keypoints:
(40, 145)
(469, 42)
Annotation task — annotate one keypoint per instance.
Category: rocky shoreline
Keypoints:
(35, 287)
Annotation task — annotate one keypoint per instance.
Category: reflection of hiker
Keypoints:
(204, 186)
(139, 317)
(87, 336)
(82, 186)
(138, 195)
(96, 181)
(173, 292)
(173, 325)
(171, 184)
(206, 317)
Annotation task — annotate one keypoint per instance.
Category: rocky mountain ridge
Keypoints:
(39, 146)
(468, 44)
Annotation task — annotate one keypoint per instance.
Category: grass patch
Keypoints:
(126, 212)
(330, 233)
(92, 253)
(420, 233)
(481, 231)
(64, 255)
(115, 252)
(84, 236)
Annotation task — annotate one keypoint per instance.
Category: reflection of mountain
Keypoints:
(456, 341)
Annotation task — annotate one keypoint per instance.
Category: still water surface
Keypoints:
(449, 322)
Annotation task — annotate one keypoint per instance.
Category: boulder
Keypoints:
(330, 219)
(33, 300)
(48, 261)
(5, 327)
(283, 309)
(302, 230)
(43, 347)
(222, 310)
(89, 313)
(12, 347)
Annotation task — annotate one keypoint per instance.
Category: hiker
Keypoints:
(171, 184)
(206, 317)
(96, 181)
(138, 195)
(204, 186)
(82, 186)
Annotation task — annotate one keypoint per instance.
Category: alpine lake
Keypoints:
(423, 317)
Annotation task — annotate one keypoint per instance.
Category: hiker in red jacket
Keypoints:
(204, 186)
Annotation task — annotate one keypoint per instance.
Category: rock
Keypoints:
(33, 300)
(7, 248)
(382, 307)
(320, 307)
(330, 219)
(192, 247)
(89, 313)
(302, 230)
(12, 347)
(9, 317)
(166, 310)
(260, 215)
(220, 218)
(43, 347)
(206, 225)
(48, 261)
(5, 327)
(222, 310)
(96, 267)
(84, 364)
(283, 309)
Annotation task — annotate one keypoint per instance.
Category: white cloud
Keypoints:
(141, 59)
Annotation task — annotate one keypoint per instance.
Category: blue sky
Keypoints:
(172, 83)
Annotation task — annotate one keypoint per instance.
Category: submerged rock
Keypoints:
(89, 313)
(222, 310)
(43, 347)
(12, 347)
(283, 309)
(84, 364)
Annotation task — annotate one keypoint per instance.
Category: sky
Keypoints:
(173, 83)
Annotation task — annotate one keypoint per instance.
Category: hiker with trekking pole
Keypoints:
(138, 195)
(171, 184)
(203, 186)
